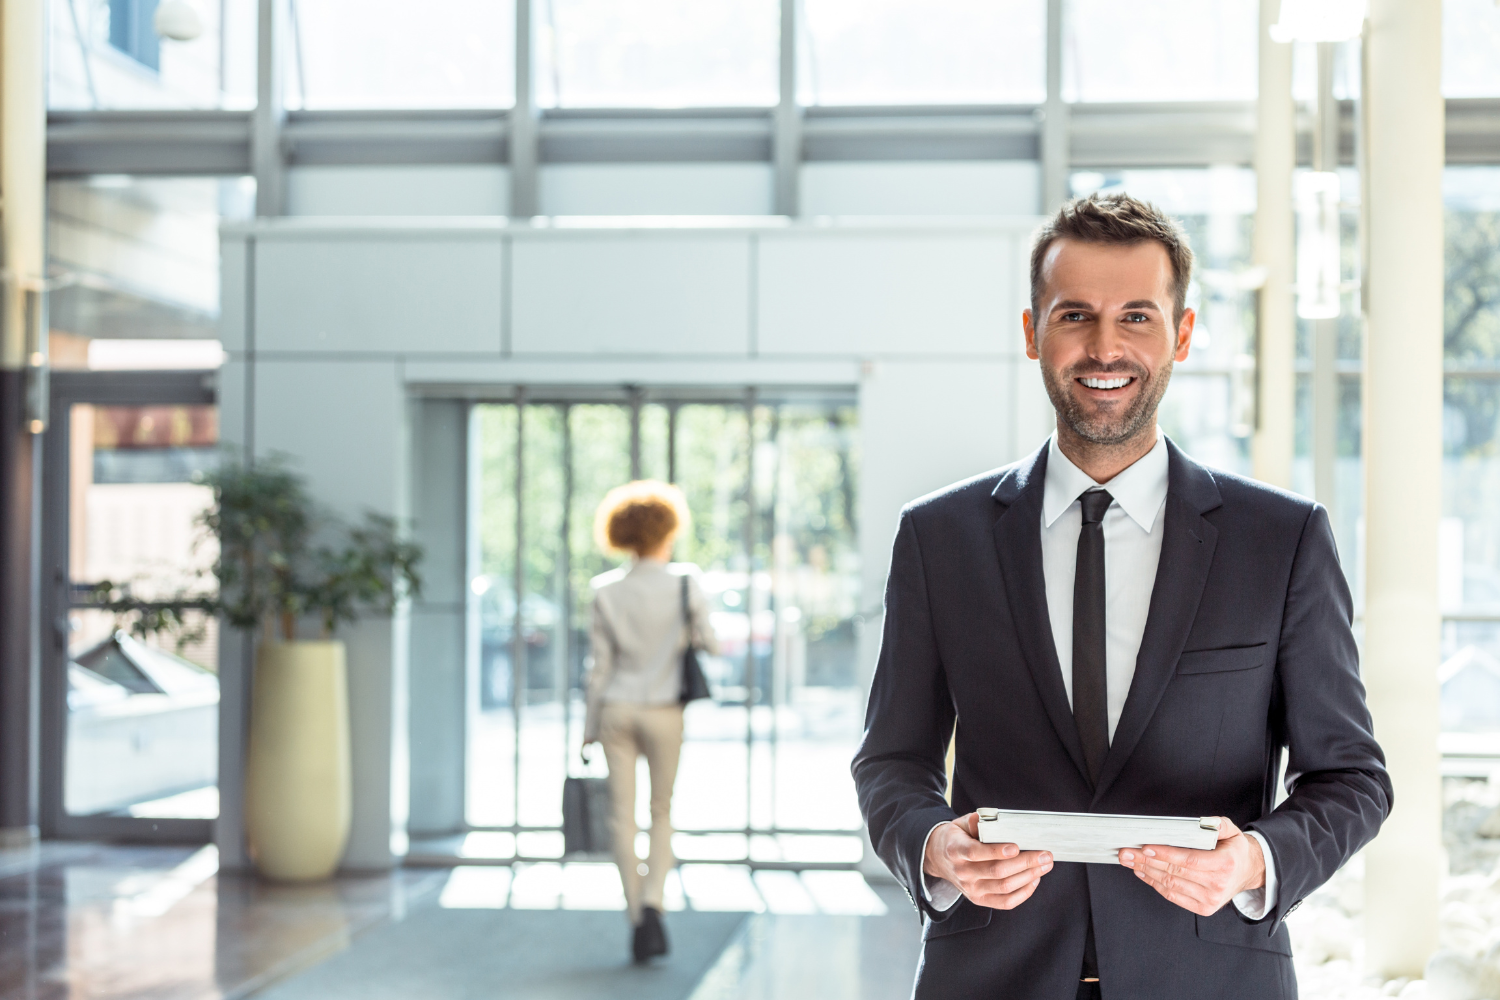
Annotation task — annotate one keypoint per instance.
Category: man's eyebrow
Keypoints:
(1072, 304)
(1141, 304)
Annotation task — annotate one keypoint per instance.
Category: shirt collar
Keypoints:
(1139, 489)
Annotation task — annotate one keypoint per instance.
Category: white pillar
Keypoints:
(23, 141)
(1403, 399)
(1273, 249)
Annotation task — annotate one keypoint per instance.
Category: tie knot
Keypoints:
(1095, 503)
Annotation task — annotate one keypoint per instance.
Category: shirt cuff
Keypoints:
(941, 894)
(1256, 903)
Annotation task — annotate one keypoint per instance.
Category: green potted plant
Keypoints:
(281, 562)
(284, 564)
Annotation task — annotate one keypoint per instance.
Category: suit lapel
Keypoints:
(1187, 552)
(1018, 543)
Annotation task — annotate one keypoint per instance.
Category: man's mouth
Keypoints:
(1118, 382)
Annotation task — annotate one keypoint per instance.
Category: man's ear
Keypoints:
(1029, 327)
(1185, 334)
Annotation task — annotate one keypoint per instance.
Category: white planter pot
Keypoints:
(297, 782)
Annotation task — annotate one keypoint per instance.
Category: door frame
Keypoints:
(106, 388)
(632, 399)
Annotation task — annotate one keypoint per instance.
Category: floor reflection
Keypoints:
(82, 921)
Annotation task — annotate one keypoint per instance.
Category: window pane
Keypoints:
(143, 703)
(1471, 38)
(147, 253)
(657, 53)
(1209, 408)
(1160, 50)
(107, 54)
(394, 54)
(905, 52)
(1469, 537)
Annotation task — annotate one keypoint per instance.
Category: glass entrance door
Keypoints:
(770, 483)
(132, 696)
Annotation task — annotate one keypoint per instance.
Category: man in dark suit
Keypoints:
(1115, 629)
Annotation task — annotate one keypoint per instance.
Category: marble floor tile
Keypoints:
(91, 922)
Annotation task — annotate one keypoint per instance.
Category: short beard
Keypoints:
(1108, 428)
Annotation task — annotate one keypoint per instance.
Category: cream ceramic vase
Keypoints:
(297, 782)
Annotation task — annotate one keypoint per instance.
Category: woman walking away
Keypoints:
(639, 634)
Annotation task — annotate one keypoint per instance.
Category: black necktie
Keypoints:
(1090, 684)
(1090, 701)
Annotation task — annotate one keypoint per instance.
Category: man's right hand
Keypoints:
(1000, 876)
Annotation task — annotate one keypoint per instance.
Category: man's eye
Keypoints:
(1136, 318)
(1074, 317)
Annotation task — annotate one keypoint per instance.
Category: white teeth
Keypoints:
(1106, 383)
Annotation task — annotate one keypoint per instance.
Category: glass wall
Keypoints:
(395, 54)
(1469, 542)
(905, 52)
(1471, 37)
(657, 53)
(1160, 50)
(770, 487)
(113, 54)
(1210, 407)
(139, 263)
(143, 703)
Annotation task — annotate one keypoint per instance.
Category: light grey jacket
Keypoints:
(638, 635)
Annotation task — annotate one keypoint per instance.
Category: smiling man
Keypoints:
(1107, 626)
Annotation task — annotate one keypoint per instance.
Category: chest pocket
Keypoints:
(1217, 661)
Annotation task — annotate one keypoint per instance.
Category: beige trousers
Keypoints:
(627, 731)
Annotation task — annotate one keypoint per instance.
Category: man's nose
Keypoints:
(1105, 344)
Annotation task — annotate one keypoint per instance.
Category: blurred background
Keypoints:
(472, 263)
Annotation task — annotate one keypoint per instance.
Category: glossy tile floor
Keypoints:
(89, 921)
(81, 921)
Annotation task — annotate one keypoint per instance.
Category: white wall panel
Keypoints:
(923, 293)
(655, 188)
(631, 294)
(977, 187)
(378, 293)
(341, 425)
(460, 189)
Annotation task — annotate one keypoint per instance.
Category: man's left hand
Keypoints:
(1201, 881)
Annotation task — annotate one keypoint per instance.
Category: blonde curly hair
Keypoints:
(639, 516)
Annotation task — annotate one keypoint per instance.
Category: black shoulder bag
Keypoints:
(694, 684)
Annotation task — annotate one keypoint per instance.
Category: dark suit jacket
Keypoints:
(1247, 650)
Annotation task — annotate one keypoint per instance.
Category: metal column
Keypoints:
(1325, 379)
(1055, 114)
(786, 139)
(523, 137)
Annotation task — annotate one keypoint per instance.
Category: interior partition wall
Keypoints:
(770, 478)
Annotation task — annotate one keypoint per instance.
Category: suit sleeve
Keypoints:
(899, 768)
(1338, 789)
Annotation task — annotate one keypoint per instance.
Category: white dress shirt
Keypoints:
(1133, 529)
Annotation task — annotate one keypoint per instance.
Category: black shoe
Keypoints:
(650, 938)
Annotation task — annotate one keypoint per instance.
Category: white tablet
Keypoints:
(1095, 838)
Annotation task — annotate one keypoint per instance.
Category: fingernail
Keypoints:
(1127, 856)
(1149, 853)
(1045, 859)
(1139, 873)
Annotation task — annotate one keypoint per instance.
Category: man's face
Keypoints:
(1104, 334)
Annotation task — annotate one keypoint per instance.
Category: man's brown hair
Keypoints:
(1115, 220)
